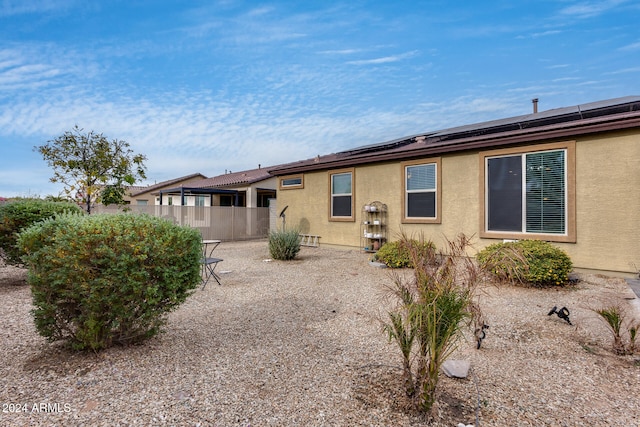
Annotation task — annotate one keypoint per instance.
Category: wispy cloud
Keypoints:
(21, 7)
(624, 71)
(32, 66)
(341, 51)
(630, 47)
(591, 9)
(556, 66)
(384, 59)
(546, 33)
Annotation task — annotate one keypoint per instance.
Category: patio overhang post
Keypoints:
(182, 196)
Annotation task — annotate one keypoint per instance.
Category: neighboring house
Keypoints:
(137, 195)
(570, 176)
(250, 188)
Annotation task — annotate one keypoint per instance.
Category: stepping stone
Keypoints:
(377, 264)
(456, 368)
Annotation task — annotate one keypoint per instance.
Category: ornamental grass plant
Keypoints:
(284, 245)
(616, 320)
(431, 310)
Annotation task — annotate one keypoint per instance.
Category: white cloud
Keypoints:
(20, 7)
(630, 47)
(591, 9)
(625, 71)
(384, 59)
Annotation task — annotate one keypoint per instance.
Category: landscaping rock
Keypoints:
(378, 264)
(456, 368)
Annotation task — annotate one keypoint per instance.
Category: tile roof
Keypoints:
(233, 178)
(164, 184)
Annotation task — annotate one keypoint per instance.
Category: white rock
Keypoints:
(456, 368)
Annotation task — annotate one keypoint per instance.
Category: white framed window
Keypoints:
(290, 182)
(422, 191)
(341, 191)
(530, 193)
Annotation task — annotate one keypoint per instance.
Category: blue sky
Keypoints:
(210, 86)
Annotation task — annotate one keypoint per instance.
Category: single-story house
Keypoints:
(570, 176)
(249, 188)
(145, 195)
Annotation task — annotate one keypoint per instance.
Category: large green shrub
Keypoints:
(397, 254)
(104, 279)
(535, 262)
(20, 214)
(284, 245)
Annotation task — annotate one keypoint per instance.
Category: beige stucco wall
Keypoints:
(607, 203)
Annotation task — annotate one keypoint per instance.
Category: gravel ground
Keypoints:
(299, 344)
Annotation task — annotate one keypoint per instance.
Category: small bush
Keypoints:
(616, 319)
(397, 254)
(18, 215)
(534, 262)
(284, 245)
(104, 279)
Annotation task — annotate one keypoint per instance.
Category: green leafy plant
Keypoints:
(284, 245)
(20, 214)
(104, 279)
(90, 166)
(615, 318)
(431, 310)
(534, 262)
(400, 253)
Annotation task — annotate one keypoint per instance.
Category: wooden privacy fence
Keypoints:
(214, 222)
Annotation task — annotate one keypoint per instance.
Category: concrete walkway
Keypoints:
(634, 284)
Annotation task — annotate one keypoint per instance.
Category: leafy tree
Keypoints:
(88, 163)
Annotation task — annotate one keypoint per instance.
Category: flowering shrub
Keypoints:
(535, 262)
(398, 254)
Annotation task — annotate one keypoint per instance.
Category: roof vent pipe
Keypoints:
(535, 105)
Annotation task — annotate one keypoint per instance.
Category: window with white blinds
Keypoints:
(341, 195)
(546, 192)
(527, 193)
(420, 196)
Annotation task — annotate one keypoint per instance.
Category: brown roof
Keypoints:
(602, 116)
(164, 184)
(233, 178)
